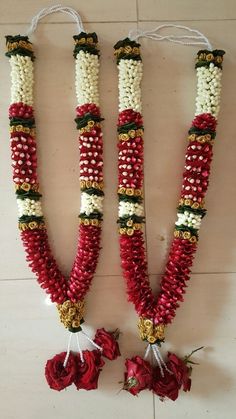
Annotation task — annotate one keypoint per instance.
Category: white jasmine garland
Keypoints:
(208, 90)
(130, 208)
(91, 203)
(86, 79)
(189, 219)
(130, 75)
(29, 207)
(22, 79)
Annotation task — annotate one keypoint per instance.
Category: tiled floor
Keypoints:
(29, 330)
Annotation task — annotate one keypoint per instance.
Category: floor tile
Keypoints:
(90, 11)
(186, 10)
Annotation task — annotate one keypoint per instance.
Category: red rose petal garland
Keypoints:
(156, 313)
(67, 293)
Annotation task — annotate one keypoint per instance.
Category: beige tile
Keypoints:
(168, 106)
(31, 334)
(90, 11)
(186, 10)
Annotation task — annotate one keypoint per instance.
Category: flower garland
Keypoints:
(68, 294)
(156, 313)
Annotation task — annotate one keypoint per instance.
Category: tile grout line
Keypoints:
(119, 276)
(123, 21)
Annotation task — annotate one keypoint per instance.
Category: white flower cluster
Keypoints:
(130, 208)
(208, 90)
(91, 203)
(130, 76)
(22, 79)
(189, 219)
(86, 78)
(29, 207)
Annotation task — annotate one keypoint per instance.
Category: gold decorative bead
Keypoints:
(127, 49)
(130, 191)
(150, 332)
(209, 57)
(25, 186)
(132, 133)
(129, 223)
(32, 225)
(71, 314)
(130, 231)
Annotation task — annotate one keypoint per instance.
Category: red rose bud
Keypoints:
(58, 376)
(108, 343)
(89, 370)
(180, 370)
(165, 386)
(138, 375)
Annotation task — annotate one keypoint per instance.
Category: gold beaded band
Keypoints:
(209, 57)
(87, 184)
(86, 41)
(132, 133)
(185, 235)
(19, 44)
(127, 50)
(192, 204)
(130, 230)
(71, 314)
(202, 139)
(21, 128)
(150, 332)
(91, 124)
(90, 221)
(27, 187)
(130, 191)
(32, 225)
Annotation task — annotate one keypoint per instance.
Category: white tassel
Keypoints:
(158, 357)
(195, 37)
(53, 9)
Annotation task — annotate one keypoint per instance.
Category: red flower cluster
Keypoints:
(88, 108)
(174, 280)
(129, 115)
(85, 262)
(132, 247)
(205, 121)
(108, 342)
(83, 374)
(91, 146)
(39, 254)
(140, 375)
(130, 153)
(21, 110)
(43, 264)
(24, 158)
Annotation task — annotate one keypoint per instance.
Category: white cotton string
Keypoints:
(91, 340)
(158, 361)
(157, 350)
(68, 351)
(147, 351)
(195, 37)
(79, 348)
(53, 9)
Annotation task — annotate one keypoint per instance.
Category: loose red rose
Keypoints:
(58, 376)
(166, 386)
(108, 343)
(138, 375)
(180, 370)
(89, 370)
